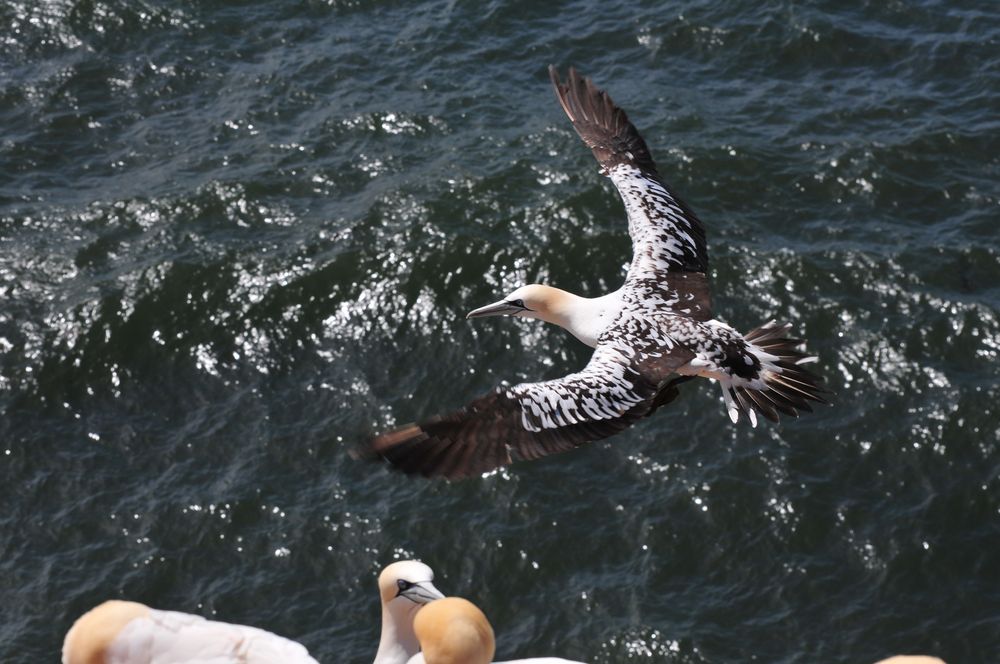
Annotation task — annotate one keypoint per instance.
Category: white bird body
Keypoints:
(118, 632)
(404, 587)
(397, 642)
(648, 336)
(455, 631)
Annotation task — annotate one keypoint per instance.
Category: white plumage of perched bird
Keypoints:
(405, 587)
(118, 632)
(455, 631)
(651, 334)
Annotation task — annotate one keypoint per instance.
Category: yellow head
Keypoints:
(531, 301)
(93, 633)
(454, 631)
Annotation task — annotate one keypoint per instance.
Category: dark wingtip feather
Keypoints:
(601, 123)
(408, 449)
(668, 392)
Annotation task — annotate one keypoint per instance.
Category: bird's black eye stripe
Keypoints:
(404, 585)
(518, 303)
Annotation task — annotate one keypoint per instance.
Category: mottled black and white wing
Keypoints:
(532, 420)
(667, 237)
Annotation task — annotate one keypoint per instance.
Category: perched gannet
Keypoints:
(649, 335)
(118, 632)
(454, 631)
(405, 587)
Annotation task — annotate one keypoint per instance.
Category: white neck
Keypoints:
(585, 318)
(398, 642)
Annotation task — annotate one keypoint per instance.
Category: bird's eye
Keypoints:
(403, 584)
(518, 303)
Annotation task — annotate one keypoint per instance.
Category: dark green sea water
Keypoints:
(238, 237)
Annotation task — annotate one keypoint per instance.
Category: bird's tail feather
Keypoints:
(783, 385)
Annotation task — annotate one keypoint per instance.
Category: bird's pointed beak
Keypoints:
(423, 592)
(501, 308)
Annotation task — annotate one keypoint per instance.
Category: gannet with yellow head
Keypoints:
(455, 631)
(585, 318)
(651, 334)
(118, 632)
(404, 587)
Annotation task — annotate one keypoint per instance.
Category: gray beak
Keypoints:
(421, 593)
(501, 308)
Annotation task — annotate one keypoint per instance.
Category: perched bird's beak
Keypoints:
(501, 308)
(421, 593)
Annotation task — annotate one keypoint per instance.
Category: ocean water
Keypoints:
(236, 238)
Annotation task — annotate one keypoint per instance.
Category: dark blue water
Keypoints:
(238, 237)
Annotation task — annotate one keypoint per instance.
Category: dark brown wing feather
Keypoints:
(602, 125)
(483, 436)
(667, 236)
(532, 420)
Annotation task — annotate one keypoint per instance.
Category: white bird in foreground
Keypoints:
(405, 587)
(649, 335)
(454, 631)
(118, 632)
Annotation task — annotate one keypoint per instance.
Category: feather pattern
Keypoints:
(527, 421)
(666, 234)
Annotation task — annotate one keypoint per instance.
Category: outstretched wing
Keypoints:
(667, 237)
(531, 420)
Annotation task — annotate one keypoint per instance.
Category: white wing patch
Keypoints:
(662, 233)
(605, 389)
(608, 387)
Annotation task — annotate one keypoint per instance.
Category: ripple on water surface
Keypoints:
(236, 239)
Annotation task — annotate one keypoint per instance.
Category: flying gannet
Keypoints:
(454, 631)
(651, 334)
(118, 632)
